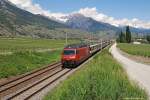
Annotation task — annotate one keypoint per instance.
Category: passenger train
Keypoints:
(75, 54)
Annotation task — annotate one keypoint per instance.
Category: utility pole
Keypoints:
(91, 40)
(101, 44)
(66, 38)
(14, 30)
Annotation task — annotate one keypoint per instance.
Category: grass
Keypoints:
(28, 44)
(22, 62)
(25, 58)
(135, 49)
(101, 79)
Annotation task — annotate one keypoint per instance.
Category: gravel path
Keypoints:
(136, 71)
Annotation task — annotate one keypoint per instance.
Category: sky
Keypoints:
(135, 13)
(116, 8)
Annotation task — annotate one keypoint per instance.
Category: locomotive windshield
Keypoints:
(69, 52)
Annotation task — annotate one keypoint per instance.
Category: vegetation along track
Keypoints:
(24, 80)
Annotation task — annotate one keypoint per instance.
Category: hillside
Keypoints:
(17, 22)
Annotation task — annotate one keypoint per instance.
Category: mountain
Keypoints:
(17, 22)
(78, 21)
(15, 19)
(140, 31)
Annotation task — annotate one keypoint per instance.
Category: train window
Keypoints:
(69, 52)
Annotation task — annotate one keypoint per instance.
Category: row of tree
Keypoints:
(148, 38)
(125, 37)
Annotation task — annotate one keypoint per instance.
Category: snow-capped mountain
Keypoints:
(79, 21)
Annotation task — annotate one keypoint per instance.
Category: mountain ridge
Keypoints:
(79, 21)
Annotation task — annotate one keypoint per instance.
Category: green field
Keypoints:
(25, 58)
(28, 44)
(22, 62)
(135, 49)
(101, 79)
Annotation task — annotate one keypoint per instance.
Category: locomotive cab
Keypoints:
(69, 57)
(74, 54)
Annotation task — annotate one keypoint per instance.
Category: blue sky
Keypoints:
(117, 8)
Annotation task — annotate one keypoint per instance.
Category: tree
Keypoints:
(128, 35)
(121, 38)
(148, 38)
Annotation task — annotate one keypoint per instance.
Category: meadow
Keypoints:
(100, 79)
(25, 57)
(22, 62)
(135, 49)
(28, 44)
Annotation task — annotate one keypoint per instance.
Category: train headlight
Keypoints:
(72, 57)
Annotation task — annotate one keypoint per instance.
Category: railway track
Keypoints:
(23, 81)
(31, 90)
(27, 74)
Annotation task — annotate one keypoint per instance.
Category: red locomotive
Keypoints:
(75, 54)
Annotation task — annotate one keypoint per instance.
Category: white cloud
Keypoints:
(37, 9)
(28, 5)
(88, 12)
(92, 12)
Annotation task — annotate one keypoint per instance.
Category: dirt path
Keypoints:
(136, 71)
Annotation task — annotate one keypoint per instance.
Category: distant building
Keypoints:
(139, 39)
(136, 42)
